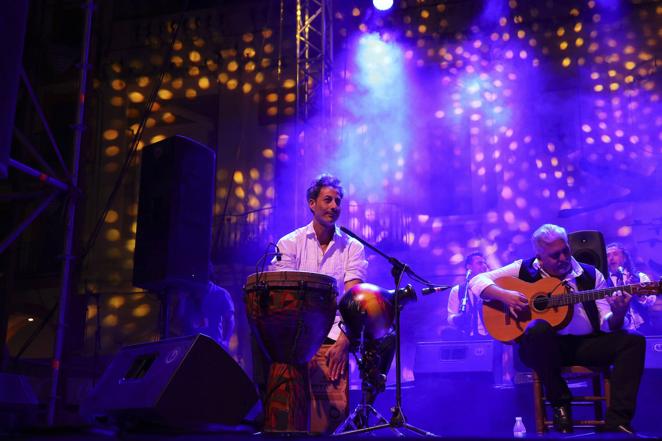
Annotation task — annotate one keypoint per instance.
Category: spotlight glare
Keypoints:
(382, 5)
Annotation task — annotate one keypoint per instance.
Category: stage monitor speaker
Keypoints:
(653, 352)
(589, 247)
(173, 237)
(179, 382)
(12, 32)
(454, 356)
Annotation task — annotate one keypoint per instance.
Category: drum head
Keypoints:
(291, 278)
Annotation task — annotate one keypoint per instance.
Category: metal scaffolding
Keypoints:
(66, 187)
(314, 46)
(314, 70)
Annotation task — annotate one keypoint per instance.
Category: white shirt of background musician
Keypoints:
(344, 259)
(633, 319)
(580, 323)
(454, 308)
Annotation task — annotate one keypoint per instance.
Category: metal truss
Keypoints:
(66, 186)
(314, 64)
(314, 58)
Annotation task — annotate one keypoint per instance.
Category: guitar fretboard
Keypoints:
(595, 294)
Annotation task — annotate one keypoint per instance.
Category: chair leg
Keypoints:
(539, 405)
(597, 392)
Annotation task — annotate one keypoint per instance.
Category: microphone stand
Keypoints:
(398, 419)
(465, 294)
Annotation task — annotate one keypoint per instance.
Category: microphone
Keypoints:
(620, 274)
(468, 274)
(432, 289)
(279, 255)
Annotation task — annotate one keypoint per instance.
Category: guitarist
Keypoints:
(593, 337)
(622, 272)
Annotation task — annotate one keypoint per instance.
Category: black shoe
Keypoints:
(624, 429)
(562, 419)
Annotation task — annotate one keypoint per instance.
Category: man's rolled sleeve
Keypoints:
(482, 281)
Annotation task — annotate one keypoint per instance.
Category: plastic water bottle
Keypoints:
(519, 431)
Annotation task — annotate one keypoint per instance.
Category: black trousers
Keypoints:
(545, 351)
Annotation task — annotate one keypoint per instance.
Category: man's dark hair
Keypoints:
(469, 260)
(324, 180)
(627, 264)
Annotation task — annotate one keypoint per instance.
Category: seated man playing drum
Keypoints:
(321, 247)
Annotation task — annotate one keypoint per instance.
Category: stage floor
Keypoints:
(452, 406)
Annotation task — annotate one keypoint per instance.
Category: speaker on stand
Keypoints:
(173, 236)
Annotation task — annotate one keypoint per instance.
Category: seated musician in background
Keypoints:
(321, 247)
(622, 272)
(207, 309)
(468, 320)
(593, 337)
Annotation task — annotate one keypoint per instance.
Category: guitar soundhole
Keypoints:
(540, 303)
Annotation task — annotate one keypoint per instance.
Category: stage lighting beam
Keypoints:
(382, 5)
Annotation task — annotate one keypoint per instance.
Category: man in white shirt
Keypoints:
(468, 320)
(622, 272)
(593, 337)
(321, 247)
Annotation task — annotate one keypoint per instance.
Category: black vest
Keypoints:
(585, 282)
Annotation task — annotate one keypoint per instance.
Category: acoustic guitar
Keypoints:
(549, 301)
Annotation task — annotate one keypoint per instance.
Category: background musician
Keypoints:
(468, 320)
(622, 272)
(207, 309)
(593, 337)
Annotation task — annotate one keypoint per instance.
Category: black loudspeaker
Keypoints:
(173, 237)
(589, 247)
(12, 32)
(178, 382)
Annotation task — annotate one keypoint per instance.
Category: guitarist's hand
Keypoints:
(515, 300)
(619, 302)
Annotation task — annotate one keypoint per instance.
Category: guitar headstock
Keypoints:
(647, 288)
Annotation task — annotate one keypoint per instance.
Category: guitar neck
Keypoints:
(595, 294)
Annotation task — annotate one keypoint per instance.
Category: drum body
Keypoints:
(290, 314)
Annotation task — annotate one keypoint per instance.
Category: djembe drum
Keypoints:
(290, 314)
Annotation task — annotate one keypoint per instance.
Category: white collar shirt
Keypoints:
(344, 258)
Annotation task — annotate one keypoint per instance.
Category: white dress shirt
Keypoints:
(343, 259)
(580, 323)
